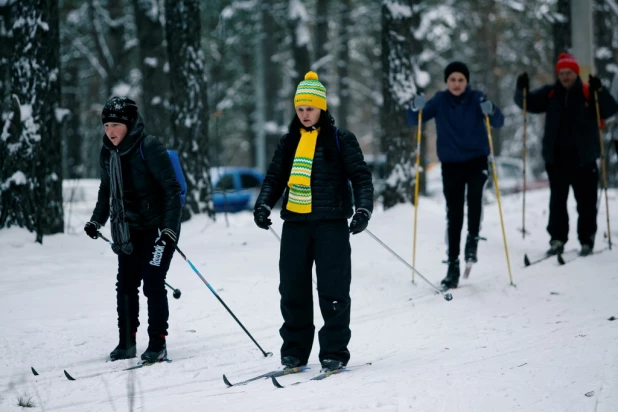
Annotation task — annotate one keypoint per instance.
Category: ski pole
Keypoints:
(523, 212)
(274, 233)
(266, 354)
(418, 166)
(493, 167)
(447, 296)
(596, 102)
(177, 292)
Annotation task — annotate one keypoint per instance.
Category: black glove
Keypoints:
(167, 238)
(360, 220)
(92, 229)
(594, 83)
(260, 216)
(523, 82)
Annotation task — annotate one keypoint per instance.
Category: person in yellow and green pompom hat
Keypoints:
(311, 168)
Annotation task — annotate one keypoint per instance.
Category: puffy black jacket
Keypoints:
(151, 192)
(334, 162)
(570, 118)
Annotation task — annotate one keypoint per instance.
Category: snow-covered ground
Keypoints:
(545, 345)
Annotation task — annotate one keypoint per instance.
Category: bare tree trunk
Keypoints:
(31, 193)
(343, 61)
(189, 100)
(152, 60)
(52, 214)
(321, 35)
(400, 51)
(271, 77)
(72, 137)
(299, 31)
(562, 29)
(605, 22)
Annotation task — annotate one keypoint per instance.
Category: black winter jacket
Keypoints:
(570, 118)
(151, 192)
(332, 166)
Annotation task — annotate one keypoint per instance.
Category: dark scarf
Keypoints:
(119, 226)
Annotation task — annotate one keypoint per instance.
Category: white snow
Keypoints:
(19, 178)
(540, 346)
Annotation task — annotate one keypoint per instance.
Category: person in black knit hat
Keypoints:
(463, 150)
(145, 209)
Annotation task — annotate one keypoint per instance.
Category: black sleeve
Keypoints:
(538, 99)
(160, 167)
(607, 104)
(101, 210)
(274, 182)
(357, 170)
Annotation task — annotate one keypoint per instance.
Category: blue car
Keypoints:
(235, 188)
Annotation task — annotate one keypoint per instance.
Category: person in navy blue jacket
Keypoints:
(463, 150)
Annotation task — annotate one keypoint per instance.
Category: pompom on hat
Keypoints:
(566, 61)
(310, 92)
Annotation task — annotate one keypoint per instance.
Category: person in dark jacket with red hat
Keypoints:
(140, 194)
(570, 147)
(314, 167)
(463, 150)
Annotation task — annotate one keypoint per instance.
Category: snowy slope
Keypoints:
(540, 346)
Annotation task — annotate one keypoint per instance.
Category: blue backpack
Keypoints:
(177, 170)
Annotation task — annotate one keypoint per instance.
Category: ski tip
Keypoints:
(34, 371)
(69, 377)
(526, 260)
(276, 383)
(227, 382)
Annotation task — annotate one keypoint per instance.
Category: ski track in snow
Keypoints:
(539, 346)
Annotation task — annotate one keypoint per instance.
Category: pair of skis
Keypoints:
(138, 366)
(273, 375)
(559, 256)
(563, 258)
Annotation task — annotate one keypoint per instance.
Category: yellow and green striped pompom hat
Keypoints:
(311, 92)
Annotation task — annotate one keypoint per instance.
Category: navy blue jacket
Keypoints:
(460, 124)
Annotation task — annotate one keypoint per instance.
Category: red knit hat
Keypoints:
(566, 61)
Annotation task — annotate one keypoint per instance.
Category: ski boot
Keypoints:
(126, 349)
(586, 250)
(452, 275)
(556, 247)
(290, 362)
(472, 244)
(331, 365)
(157, 350)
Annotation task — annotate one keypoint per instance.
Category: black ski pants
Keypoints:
(149, 263)
(327, 243)
(457, 179)
(564, 174)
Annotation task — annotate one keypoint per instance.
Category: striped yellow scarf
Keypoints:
(299, 199)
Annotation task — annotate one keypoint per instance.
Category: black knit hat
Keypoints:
(458, 67)
(119, 110)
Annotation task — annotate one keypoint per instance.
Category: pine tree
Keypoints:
(31, 178)
(189, 103)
